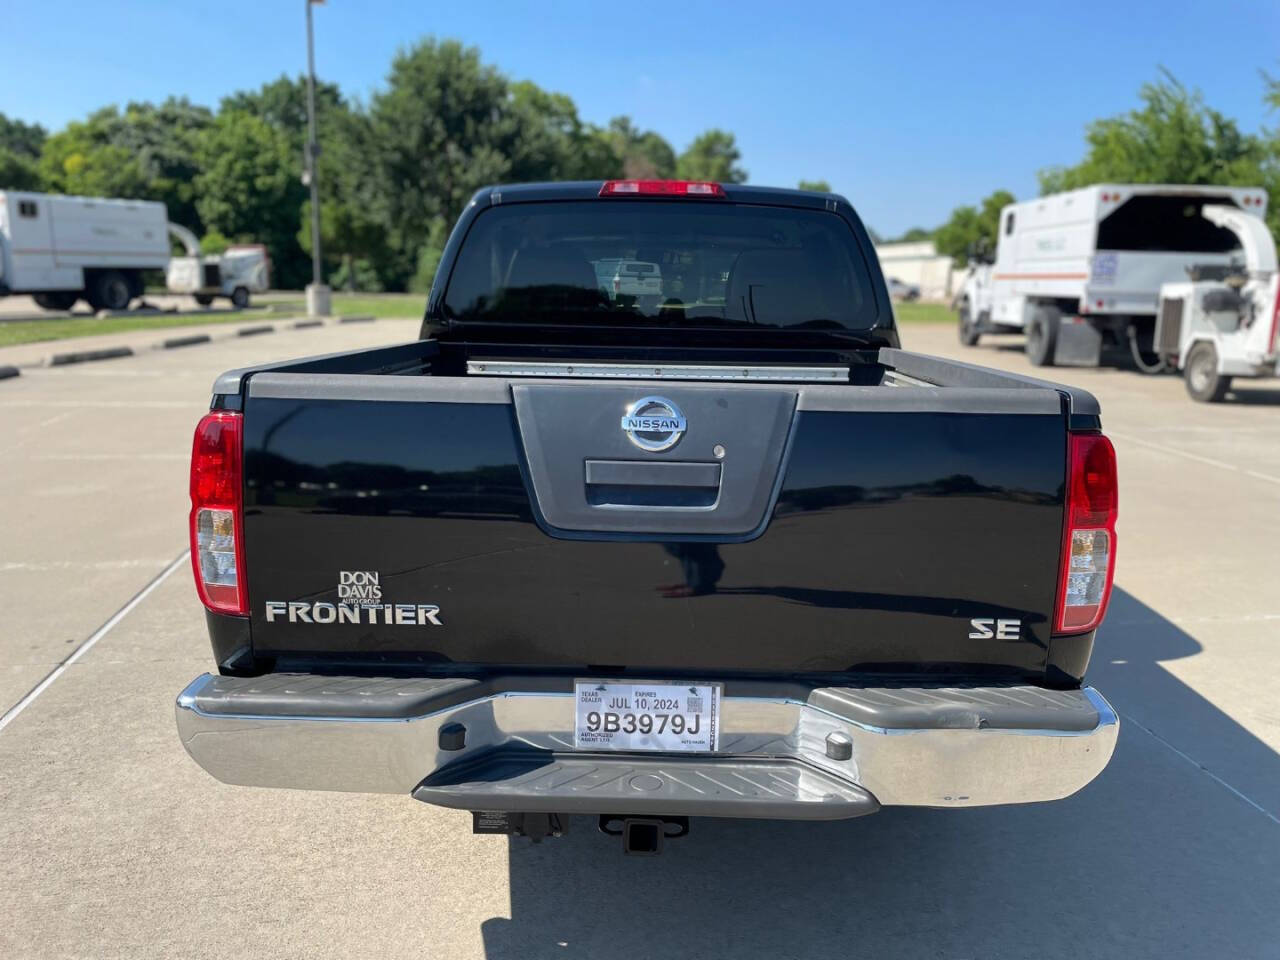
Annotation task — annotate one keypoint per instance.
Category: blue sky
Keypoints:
(909, 109)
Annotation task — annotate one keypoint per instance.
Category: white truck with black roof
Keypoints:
(1080, 272)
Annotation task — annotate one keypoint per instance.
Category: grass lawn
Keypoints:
(923, 313)
(65, 328)
(377, 304)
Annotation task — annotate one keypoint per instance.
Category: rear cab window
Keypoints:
(696, 264)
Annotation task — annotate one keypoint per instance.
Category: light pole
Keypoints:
(318, 303)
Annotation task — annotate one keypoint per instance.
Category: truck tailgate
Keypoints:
(515, 523)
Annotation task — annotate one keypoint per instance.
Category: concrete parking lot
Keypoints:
(114, 843)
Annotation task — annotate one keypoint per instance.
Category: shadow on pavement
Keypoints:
(1154, 859)
(1243, 393)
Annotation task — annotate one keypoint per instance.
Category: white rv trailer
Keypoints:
(62, 248)
(1080, 272)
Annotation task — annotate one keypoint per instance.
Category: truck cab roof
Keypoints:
(738, 264)
(590, 189)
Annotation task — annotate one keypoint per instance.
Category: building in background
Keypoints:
(920, 265)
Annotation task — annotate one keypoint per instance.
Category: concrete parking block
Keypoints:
(87, 356)
(190, 341)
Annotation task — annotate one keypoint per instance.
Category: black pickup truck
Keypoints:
(656, 520)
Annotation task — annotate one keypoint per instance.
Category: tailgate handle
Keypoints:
(650, 473)
(652, 485)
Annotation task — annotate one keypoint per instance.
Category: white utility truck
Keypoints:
(1080, 272)
(60, 249)
(1223, 322)
(235, 273)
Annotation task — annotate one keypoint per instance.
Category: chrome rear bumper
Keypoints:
(937, 746)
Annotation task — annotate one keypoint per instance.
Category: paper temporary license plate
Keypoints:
(670, 717)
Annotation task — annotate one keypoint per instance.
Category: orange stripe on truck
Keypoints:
(1041, 276)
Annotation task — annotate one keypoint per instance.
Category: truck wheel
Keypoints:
(204, 299)
(1042, 336)
(110, 290)
(58, 300)
(968, 329)
(1204, 383)
(240, 297)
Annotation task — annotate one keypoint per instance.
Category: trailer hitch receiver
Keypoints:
(643, 836)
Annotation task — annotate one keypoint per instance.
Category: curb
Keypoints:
(185, 341)
(84, 356)
(138, 312)
(110, 353)
(150, 311)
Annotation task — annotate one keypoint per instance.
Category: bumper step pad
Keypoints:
(544, 782)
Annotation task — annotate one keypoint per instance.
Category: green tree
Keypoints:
(714, 156)
(353, 226)
(249, 190)
(429, 257)
(349, 230)
(643, 154)
(1271, 159)
(1174, 137)
(80, 159)
(356, 274)
(146, 151)
(214, 242)
(445, 124)
(557, 145)
(18, 172)
(282, 103)
(914, 235)
(969, 227)
(817, 186)
(20, 145)
(24, 139)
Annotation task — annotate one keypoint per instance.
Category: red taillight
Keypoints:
(661, 188)
(217, 512)
(1089, 534)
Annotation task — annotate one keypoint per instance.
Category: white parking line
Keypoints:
(1221, 464)
(110, 456)
(102, 404)
(1203, 769)
(44, 566)
(12, 713)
